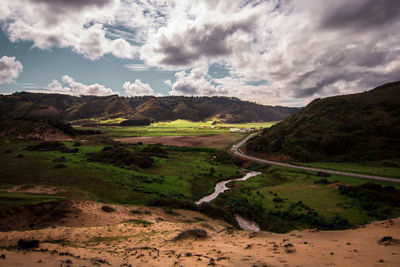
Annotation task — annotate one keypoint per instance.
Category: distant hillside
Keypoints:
(30, 128)
(355, 127)
(71, 108)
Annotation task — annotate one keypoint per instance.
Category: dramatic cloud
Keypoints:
(303, 49)
(360, 14)
(75, 88)
(10, 68)
(192, 35)
(137, 89)
(75, 24)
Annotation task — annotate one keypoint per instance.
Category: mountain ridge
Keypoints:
(70, 108)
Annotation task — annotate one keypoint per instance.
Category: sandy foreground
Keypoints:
(91, 237)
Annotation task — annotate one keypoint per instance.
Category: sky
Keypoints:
(276, 52)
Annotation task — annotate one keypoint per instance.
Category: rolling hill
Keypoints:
(70, 108)
(358, 127)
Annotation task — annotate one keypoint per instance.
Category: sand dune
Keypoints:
(92, 237)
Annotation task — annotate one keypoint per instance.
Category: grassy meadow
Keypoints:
(176, 176)
(279, 200)
(282, 199)
(170, 128)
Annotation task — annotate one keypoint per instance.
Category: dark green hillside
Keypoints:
(64, 107)
(358, 127)
(31, 128)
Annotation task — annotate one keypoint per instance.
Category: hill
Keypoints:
(32, 129)
(358, 127)
(70, 108)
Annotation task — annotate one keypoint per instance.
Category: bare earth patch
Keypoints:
(92, 237)
(213, 141)
(36, 189)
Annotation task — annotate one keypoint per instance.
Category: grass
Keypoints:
(391, 172)
(171, 177)
(171, 128)
(188, 174)
(12, 199)
(299, 195)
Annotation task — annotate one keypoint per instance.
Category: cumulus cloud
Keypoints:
(75, 88)
(10, 68)
(303, 48)
(196, 32)
(137, 88)
(196, 82)
(73, 24)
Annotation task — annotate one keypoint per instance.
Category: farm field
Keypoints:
(171, 128)
(214, 141)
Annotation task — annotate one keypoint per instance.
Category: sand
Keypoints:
(91, 237)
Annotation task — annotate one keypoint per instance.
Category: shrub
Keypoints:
(322, 181)
(121, 156)
(192, 233)
(107, 209)
(51, 146)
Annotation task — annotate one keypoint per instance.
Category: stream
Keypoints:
(220, 188)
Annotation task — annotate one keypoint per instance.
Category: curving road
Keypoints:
(236, 151)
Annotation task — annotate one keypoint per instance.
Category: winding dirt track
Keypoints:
(236, 151)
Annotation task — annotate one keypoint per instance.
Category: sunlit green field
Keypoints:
(171, 128)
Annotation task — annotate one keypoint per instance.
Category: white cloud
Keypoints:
(196, 82)
(74, 24)
(10, 68)
(75, 88)
(303, 48)
(137, 88)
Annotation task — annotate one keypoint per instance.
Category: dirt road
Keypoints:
(236, 151)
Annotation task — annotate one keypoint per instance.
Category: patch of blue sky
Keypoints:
(257, 83)
(40, 67)
(218, 71)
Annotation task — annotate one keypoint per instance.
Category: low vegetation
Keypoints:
(351, 128)
(192, 233)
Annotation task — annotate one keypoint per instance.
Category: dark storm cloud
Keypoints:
(209, 41)
(305, 92)
(361, 14)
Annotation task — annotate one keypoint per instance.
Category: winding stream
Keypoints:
(220, 188)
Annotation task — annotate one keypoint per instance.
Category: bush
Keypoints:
(322, 181)
(107, 209)
(137, 122)
(193, 233)
(277, 200)
(51, 146)
(122, 157)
